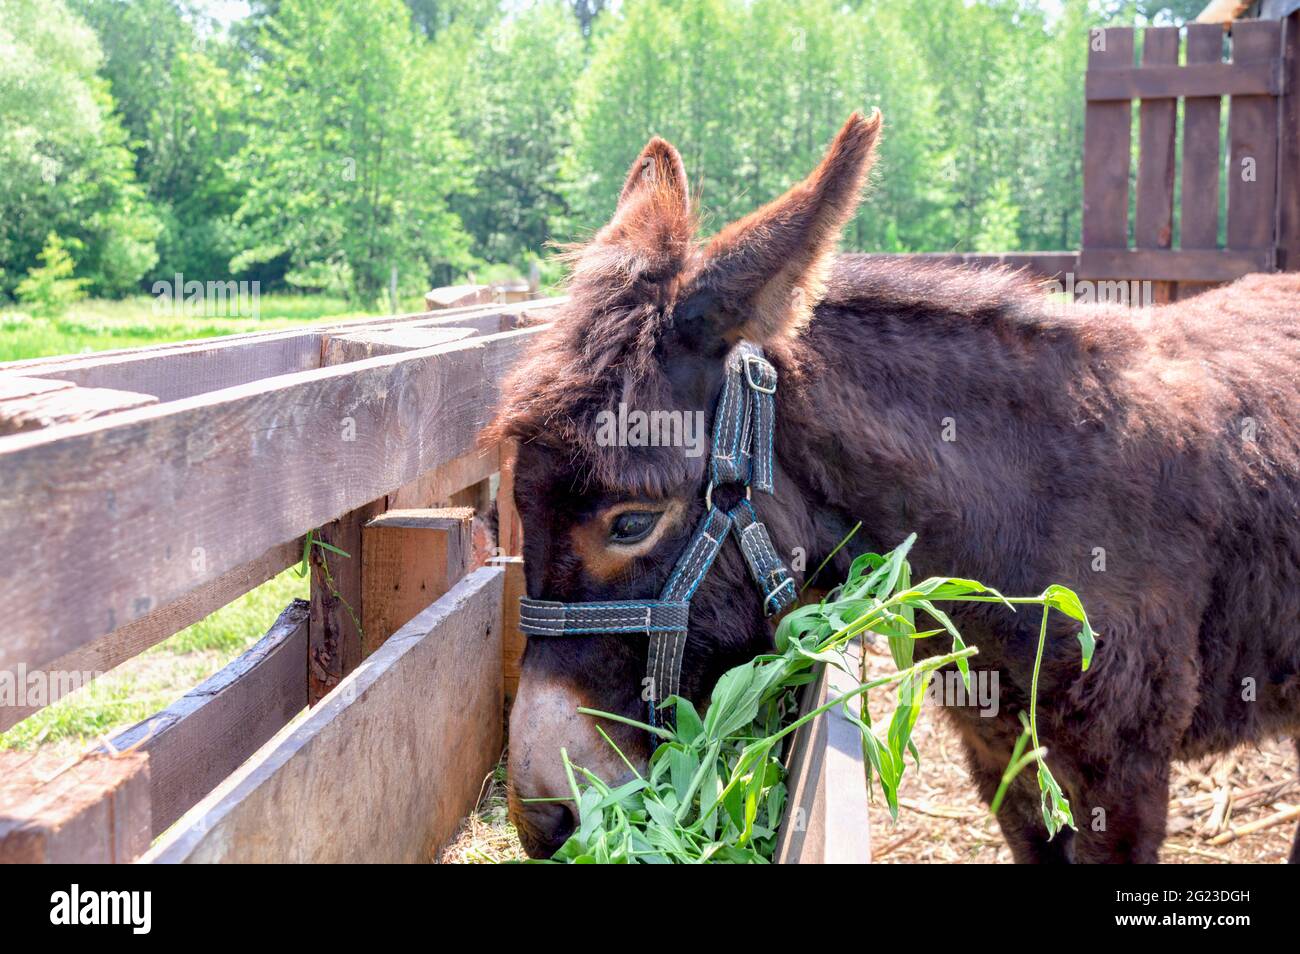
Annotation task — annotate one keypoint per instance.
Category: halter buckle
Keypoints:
(773, 595)
(764, 366)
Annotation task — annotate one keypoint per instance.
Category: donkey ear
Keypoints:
(657, 171)
(762, 276)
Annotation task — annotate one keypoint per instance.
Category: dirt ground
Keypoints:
(941, 820)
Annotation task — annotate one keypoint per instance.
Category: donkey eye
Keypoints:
(633, 526)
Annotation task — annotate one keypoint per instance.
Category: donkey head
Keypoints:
(606, 510)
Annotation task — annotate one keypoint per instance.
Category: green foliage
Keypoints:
(349, 157)
(50, 288)
(64, 162)
(318, 144)
(515, 105)
(179, 106)
(715, 788)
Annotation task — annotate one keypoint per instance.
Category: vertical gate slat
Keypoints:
(1288, 210)
(1153, 225)
(1106, 147)
(1153, 222)
(1200, 200)
(1252, 135)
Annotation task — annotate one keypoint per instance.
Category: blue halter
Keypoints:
(744, 426)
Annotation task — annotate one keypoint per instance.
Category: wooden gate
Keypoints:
(1141, 237)
(1247, 75)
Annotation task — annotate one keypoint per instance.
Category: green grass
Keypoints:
(99, 325)
(156, 678)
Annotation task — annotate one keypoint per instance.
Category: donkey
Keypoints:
(1147, 458)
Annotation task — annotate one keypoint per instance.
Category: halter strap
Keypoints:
(741, 452)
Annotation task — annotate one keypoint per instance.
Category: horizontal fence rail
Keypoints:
(385, 767)
(136, 510)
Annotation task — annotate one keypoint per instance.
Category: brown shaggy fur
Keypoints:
(1149, 459)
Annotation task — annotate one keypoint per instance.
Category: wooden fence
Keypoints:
(1246, 76)
(146, 488)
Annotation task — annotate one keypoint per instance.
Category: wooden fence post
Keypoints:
(512, 640)
(1288, 213)
(95, 811)
(1153, 223)
(337, 602)
(510, 535)
(409, 559)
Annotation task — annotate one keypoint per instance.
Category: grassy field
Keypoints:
(98, 325)
(154, 679)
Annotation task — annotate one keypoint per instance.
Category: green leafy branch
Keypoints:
(304, 567)
(715, 786)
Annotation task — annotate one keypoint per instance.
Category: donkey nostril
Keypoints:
(543, 827)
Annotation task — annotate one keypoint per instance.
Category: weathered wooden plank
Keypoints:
(457, 296)
(1153, 218)
(64, 406)
(208, 733)
(382, 770)
(185, 369)
(437, 487)
(336, 630)
(510, 531)
(1174, 265)
(1106, 140)
(1200, 200)
(826, 820)
(1153, 222)
(512, 639)
(107, 513)
(359, 345)
(14, 388)
(409, 559)
(1252, 144)
(95, 811)
(1261, 78)
(135, 637)
(1288, 212)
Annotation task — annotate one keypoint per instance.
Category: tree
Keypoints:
(349, 157)
(50, 288)
(751, 93)
(179, 108)
(515, 110)
(64, 162)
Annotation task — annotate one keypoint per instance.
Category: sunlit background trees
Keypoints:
(319, 144)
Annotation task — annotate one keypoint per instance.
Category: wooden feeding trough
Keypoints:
(146, 488)
(826, 819)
